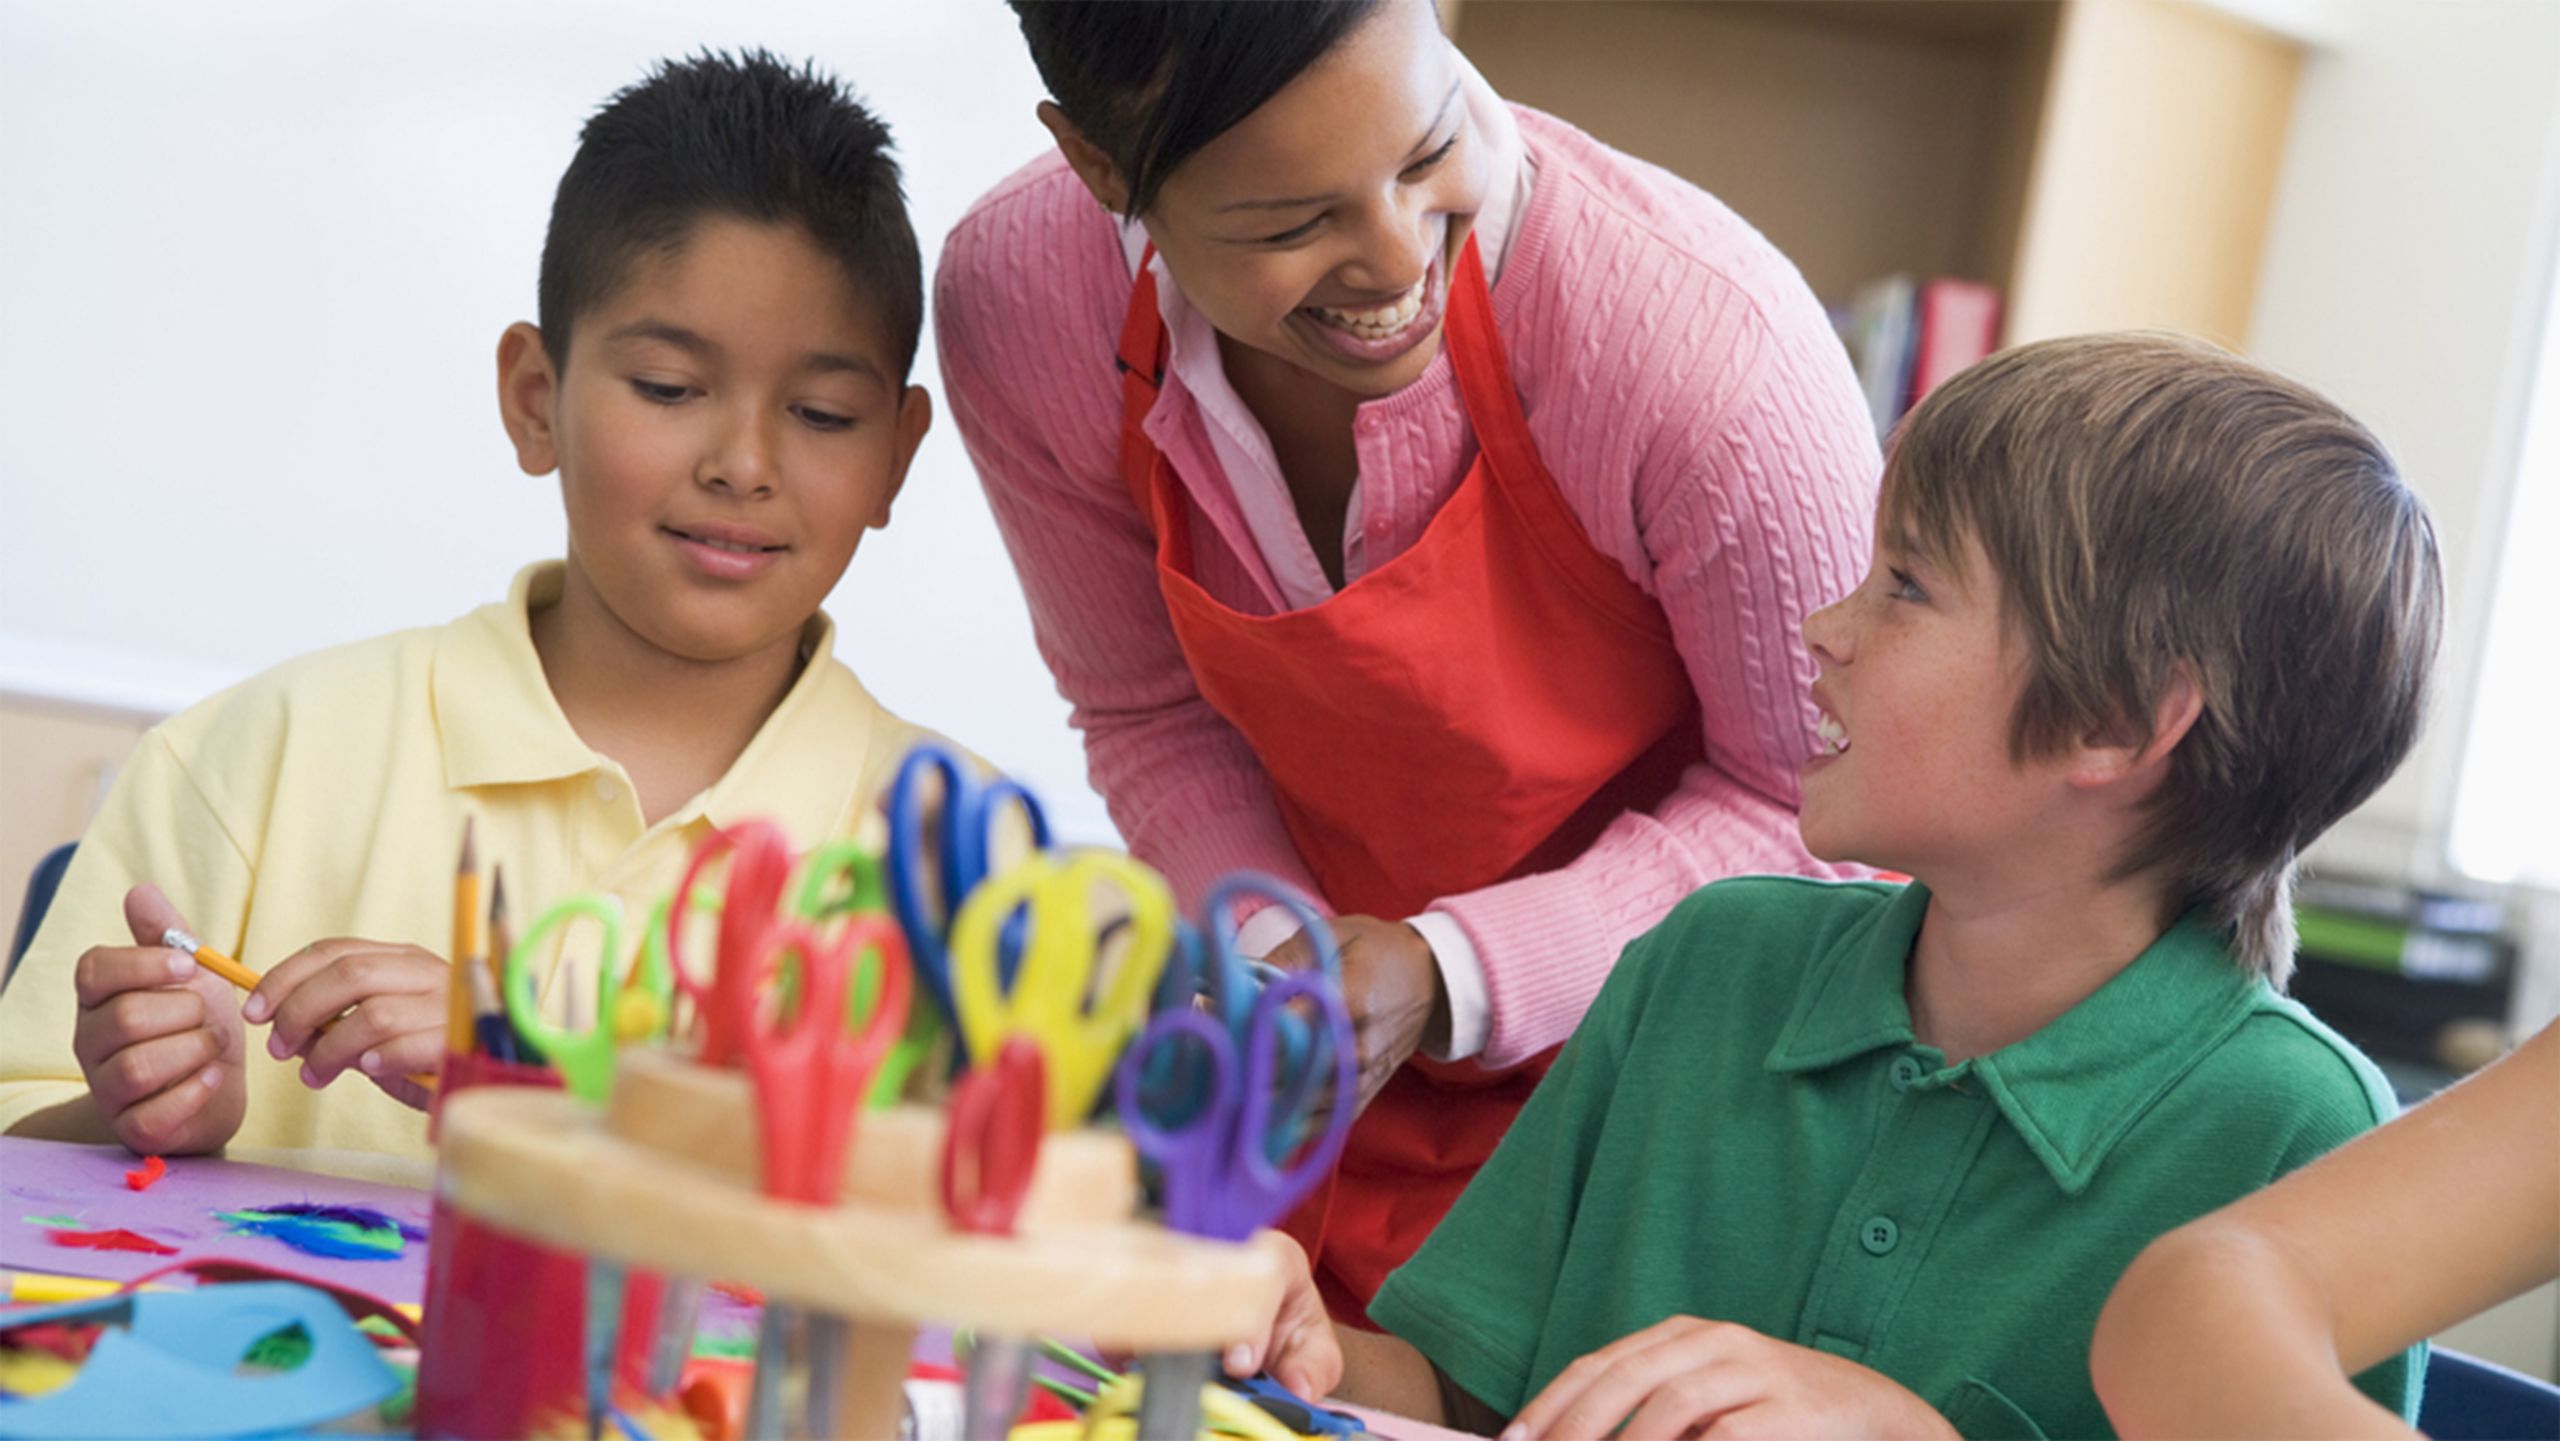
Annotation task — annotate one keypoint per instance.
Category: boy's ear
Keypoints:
(1086, 159)
(2108, 758)
(915, 417)
(527, 392)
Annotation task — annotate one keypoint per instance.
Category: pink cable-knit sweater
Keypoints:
(1683, 386)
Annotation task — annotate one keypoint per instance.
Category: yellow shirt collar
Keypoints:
(498, 723)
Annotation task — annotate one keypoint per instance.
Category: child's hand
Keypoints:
(1687, 1377)
(1301, 1353)
(158, 1038)
(369, 1006)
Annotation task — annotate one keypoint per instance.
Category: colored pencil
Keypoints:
(468, 944)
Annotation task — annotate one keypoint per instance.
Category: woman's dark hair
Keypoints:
(1149, 82)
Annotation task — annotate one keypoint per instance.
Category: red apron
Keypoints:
(1478, 708)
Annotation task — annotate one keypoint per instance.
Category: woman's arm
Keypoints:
(1726, 461)
(2250, 1320)
(1027, 304)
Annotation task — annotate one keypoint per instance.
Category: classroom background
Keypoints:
(254, 260)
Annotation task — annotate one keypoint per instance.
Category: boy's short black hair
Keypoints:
(744, 136)
(1150, 82)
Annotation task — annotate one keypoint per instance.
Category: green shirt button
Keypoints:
(1906, 1070)
(1878, 1234)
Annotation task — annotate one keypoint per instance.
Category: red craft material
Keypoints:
(146, 1175)
(110, 1241)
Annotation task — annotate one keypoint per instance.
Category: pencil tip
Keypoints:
(498, 889)
(470, 855)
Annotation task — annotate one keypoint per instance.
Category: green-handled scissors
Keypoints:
(629, 1009)
(843, 879)
(1079, 1032)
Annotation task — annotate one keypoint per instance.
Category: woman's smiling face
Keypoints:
(1321, 229)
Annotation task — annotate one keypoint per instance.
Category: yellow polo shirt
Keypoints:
(326, 798)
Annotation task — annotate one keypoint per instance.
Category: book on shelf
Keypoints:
(1907, 335)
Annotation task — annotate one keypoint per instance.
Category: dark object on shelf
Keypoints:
(2420, 981)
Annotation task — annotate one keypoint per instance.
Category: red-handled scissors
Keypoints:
(998, 1111)
(751, 906)
(812, 1060)
(992, 1142)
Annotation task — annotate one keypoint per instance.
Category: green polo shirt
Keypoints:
(1743, 1129)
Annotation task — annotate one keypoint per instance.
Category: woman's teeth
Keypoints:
(1375, 324)
(1833, 735)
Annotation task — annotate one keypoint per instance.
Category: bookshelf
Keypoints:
(2102, 163)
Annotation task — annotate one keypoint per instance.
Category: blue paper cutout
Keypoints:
(172, 1369)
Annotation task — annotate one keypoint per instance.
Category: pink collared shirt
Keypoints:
(1684, 388)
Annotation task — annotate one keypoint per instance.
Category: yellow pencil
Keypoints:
(211, 959)
(34, 1288)
(468, 945)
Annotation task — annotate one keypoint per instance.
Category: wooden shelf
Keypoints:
(2103, 163)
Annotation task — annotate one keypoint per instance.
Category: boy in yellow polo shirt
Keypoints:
(1856, 1159)
(730, 295)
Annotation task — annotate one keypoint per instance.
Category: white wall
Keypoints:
(254, 260)
(2407, 273)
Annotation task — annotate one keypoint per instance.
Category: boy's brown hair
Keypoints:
(2153, 503)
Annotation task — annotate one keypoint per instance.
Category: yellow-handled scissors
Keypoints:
(629, 1009)
(1079, 1031)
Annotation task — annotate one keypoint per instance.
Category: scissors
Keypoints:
(1078, 1027)
(998, 1112)
(812, 1059)
(843, 879)
(1227, 985)
(584, 1051)
(1226, 1172)
(933, 871)
(627, 1009)
(1221, 1179)
(750, 906)
(811, 1054)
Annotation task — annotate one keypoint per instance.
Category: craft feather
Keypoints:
(344, 1233)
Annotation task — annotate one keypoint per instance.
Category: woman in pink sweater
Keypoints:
(1417, 500)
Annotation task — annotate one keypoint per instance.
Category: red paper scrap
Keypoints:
(146, 1175)
(110, 1241)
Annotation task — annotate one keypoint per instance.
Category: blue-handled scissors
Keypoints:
(935, 865)
(1223, 976)
(1220, 1177)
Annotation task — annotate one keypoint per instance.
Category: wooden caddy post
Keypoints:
(666, 1179)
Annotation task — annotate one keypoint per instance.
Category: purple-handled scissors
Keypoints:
(1220, 1180)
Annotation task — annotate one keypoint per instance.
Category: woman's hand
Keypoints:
(1391, 985)
(369, 1006)
(158, 1038)
(1687, 1377)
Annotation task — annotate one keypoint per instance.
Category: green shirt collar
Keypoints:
(2071, 1090)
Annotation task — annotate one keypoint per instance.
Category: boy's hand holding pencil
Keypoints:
(371, 1007)
(159, 1038)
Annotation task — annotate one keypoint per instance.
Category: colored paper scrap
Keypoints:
(53, 1185)
(113, 1240)
(172, 1369)
(146, 1175)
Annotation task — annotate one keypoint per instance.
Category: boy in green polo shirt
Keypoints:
(1863, 1159)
